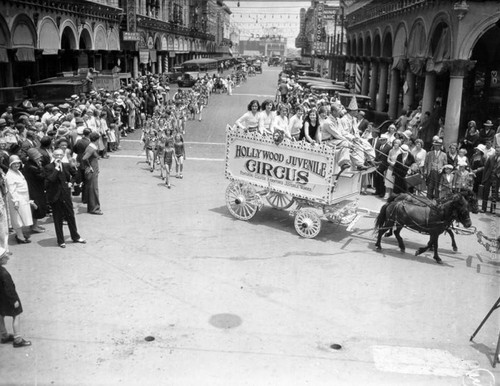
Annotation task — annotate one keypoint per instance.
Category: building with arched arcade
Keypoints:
(441, 54)
(42, 38)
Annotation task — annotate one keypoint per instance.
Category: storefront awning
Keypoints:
(25, 54)
(152, 55)
(4, 58)
(144, 56)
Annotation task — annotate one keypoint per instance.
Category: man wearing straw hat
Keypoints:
(435, 161)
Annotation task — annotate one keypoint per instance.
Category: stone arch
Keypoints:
(5, 38)
(417, 47)
(85, 41)
(157, 42)
(100, 39)
(354, 49)
(113, 40)
(164, 44)
(376, 47)
(68, 36)
(399, 53)
(48, 36)
(359, 45)
(23, 32)
(367, 45)
(386, 50)
(439, 44)
(466, 46)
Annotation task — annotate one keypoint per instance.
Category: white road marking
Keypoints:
(187, 143)
(189, 159)
(256, 95)
(421, 361)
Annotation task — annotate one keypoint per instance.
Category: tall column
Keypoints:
(458, 69)
(372, 93)
(358, 75)
(135, 67)
(160, 63)
(429, 92)
(409, 88)
(365, 84)
(394, 94)
(381, 104)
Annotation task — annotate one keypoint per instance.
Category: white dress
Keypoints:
(18, 192)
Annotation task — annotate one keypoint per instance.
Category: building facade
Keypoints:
(321, 38)
(44, 38)
(443, 55)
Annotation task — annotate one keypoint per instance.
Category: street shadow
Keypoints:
(488, 352)
(50, 242)
(425, 258)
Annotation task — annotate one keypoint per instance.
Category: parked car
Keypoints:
(310, 74)
(174, 74)
(186, 80)
(56, 90)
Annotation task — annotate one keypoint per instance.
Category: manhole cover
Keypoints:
(225, 321)
(149, 338)
(335, 346)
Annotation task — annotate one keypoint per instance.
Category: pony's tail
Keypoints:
(381, 218)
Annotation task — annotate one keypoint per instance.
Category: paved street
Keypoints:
(230, 302)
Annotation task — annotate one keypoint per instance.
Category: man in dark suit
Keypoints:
(381, 153)
(91, 169)
(491, 181)
(79, 150)
(58, 188)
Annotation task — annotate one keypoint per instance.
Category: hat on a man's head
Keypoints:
(448, 166)
(79, 121)
(488, 123)
(438, 141)
(384, 136)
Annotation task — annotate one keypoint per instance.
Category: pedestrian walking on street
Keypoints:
(10, 305)
(168, 156)
(91, 169)
(59, 177)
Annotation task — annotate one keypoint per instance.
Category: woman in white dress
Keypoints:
(280, 122)
(419, 153)
(391, 160)
(19, 199)
(250, 120)
(267, 116)
(296, 122)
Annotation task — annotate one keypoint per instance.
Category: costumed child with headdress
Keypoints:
(446, 181)
(463, 178)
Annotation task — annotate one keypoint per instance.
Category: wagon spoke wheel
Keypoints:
(241, 200)
(279, 200)
(307, 223)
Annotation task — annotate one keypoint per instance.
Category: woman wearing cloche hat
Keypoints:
(18, 199)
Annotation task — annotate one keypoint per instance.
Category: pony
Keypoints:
(468, 194)
(428, 219)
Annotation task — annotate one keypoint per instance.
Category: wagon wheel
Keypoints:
(307, 223)
(279, 200)
(241, 200)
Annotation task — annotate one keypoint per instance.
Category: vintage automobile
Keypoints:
(186, 80)
(258, 67)
(56, 90)
(174, 74)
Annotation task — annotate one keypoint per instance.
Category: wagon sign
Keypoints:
(301, 172)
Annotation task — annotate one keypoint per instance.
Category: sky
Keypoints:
(259, 17)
